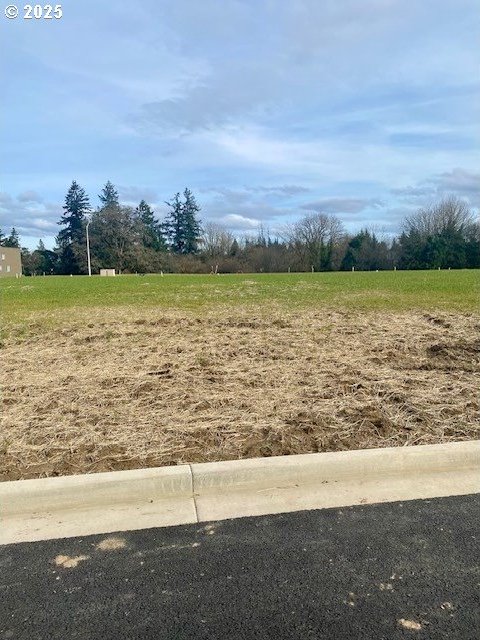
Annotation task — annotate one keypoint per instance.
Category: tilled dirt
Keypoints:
(113, 391)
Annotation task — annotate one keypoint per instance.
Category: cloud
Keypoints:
(386, 221)
(31, 217)
(259, 211)
(459, 182)
(237, 222)
(133, 195)
(232, 197)
(344, 104)
(240, 210)
(242, 195)
(270, 76)
(43, 225)
(342, 205)
(412, 192)
(29, 196)
(284, 190)
(5, 199)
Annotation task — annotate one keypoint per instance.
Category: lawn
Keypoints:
(117, 373)
(385, 290)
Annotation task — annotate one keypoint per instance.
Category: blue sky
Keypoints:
(266, 109)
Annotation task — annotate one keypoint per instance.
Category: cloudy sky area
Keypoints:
(266, 109)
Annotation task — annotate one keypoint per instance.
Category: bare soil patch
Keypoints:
(104, 392)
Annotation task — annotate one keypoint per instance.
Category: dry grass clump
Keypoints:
(104, 392)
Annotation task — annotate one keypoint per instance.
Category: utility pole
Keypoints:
(88, 252)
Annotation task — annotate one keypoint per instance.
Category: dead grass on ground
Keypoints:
(104, 392)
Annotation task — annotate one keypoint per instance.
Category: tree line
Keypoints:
(443, 235)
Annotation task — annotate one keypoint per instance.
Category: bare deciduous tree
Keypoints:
(450, 214)
(216, 240)
(314, 237)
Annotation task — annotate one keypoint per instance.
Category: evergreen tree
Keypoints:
(28, 262)
(261, 240)
(395, 252)
(438, 236)
(76, 206)
(2, 239)
(146, 214)
(43, 260)
(365, 252)
(150, 228)
(13, 239)
(70, 239)
(173, 226)
(182, 226)
(109, 196)
(38, 258)
(472, 246)
(114, 238)
(192, 229)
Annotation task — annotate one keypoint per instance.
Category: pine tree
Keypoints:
(192, 229)
(41, 246)
(109, 196)
(182, 227)
(173, 226)
(13, 239)
(76, 206)
(151, 230)
(146, 214)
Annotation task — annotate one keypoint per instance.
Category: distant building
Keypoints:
(10, 262)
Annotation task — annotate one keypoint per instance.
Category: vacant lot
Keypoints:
(100, 374)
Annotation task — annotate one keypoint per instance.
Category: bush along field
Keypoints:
(116, 373)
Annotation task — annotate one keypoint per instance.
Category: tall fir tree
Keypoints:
(173, 226)
(151, 229)
(71, 237)
(192, 224)
(182, 226)
(109, 196)
(13, 239)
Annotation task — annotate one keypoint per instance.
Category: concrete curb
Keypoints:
(94, 490)
(345, 465)
(125, 500)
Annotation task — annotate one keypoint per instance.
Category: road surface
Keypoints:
(397, 570)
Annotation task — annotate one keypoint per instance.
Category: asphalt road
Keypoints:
(398, 570)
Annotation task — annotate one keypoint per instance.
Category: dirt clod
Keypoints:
(411, 625)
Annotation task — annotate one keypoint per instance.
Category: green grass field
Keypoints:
(389, 291)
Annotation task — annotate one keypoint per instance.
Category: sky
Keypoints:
(266, 109)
